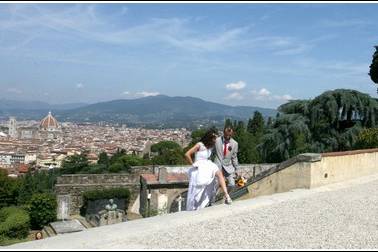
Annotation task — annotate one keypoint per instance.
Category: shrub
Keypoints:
(14, 223)
(368, 138)
(42, 210)
(36, 182)
(116, 167)
(122, 193)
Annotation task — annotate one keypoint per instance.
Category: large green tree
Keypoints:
(290, 136)
(8, 189)
(330, 122)
(168, 153)
(336, 118)
(256, 125)
(36, 182)
(103, 159)
(374, 67)
(75, 164)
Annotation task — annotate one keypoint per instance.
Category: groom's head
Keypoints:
(228, 132)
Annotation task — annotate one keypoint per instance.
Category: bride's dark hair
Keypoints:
(207, 139)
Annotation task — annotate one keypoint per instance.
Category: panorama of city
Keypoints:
(188, 125)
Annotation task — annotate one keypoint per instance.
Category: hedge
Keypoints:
(14, 223)
(121, 193)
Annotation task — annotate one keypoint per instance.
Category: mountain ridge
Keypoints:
(152, 111)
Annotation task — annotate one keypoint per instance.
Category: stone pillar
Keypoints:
(179, 203)
(162, 176)
(63, 211)
(162, 204)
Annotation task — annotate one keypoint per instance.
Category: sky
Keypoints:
(250, 54)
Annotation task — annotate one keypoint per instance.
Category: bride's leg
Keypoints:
(222, 183)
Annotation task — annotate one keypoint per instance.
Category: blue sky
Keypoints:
(238, 54)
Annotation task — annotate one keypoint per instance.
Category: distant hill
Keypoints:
(161, 111)
(29, 110)
(36, 105)
(154, 112)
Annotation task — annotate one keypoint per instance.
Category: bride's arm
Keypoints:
(190, 152)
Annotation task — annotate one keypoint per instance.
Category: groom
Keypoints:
(226, 156)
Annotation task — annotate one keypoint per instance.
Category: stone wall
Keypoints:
(247, 170)
(163, 199)
(74, 185)
(311, 170)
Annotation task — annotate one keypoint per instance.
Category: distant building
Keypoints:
(12, 128)
(48, 129)
(3, 135)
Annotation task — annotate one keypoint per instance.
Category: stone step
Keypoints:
(133, 216)
(85, 223)
(48, 231)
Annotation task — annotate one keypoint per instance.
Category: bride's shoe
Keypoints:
(228, 200)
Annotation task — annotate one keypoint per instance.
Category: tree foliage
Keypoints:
(8, 189)
(36, 182)
(332, 121)
(74, 164)
(103, 159)
(288, 137)
(14, 223)
(168, 153)
(42, 210)
(256, 125)
(368, 138)
(374, 67)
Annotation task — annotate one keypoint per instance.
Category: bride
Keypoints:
(202, 181)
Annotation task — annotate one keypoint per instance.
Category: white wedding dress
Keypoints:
(201, 180)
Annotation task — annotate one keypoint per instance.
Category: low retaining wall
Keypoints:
(248, 170)
(74, 185)
(311, 170)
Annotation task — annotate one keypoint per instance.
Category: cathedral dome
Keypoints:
(49, 122)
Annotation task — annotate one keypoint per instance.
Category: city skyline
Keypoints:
(236, 54)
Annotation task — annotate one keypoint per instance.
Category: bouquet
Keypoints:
(240, 181)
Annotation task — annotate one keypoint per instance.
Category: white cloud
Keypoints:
(345, 23)
(283, 97)
(14, 91)
(88, 23)
(79, 85)
(264, 92)
(125, 93)
(235, 96)
(145, 94)
(236, 85)
(265, 95)
(287, 97)
(285, 46)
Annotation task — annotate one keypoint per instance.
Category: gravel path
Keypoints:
(341, 219)
(337, 216)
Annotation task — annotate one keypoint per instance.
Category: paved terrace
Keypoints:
(336, 216)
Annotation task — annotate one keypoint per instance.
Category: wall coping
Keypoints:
(94, 174)
(346, 153)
